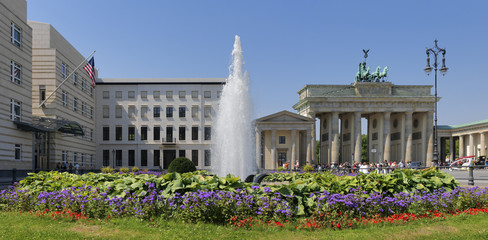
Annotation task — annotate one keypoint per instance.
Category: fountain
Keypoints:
(233, 149)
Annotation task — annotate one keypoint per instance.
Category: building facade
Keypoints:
(149, 122)
(66, 122)
(462, 140)
(16, 85)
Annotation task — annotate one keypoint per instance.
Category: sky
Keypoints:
(286, 44)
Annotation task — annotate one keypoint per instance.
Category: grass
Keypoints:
(25, 226)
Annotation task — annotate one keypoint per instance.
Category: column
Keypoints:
(309, 146)
(357, 137)
(386, 136)
(274, 162)
(430, 139)
(293, 148)
(408, 134)
(461, 146)
(334, 155)
(452, 148)
(482, 144)
(472, 147)
(258, 149)
(312, 139)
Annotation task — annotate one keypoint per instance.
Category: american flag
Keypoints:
(90, 69)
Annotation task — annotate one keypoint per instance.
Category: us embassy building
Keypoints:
(149, 122)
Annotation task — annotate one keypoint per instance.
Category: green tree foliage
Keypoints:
(364, 148)
(181, 165)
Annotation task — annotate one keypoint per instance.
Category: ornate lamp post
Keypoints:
(435, 51)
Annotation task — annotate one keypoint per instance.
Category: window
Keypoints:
(75, 78)
(207, 158)
(83, 159)
(207, 94)
(75, 158)
(144, 111)
(144, 94)
(118, 158)
(182, 112)
(281, 140)
(91, 160)
(83, 108)
(194, 133)
(182, 94)
(169, 94)
(118, 133)
(169, 134)
(132, 111)
(156, 111)
(91, 112)
(131, 94)
(281, 158)
(182, 133)
(194, 157)
(83, 84)
(208, 133)
(144, 158)
(15, 110)
(156, 158)
(91, 135)
(106, 133)
(157, 133)
(118, 94)
(65, 98)
(106, 94)
(132, 157)
(194, 94)
(156, 94)
(194, 111)
(18, 152)
(207, 111)
(106, 111)
(64, 70)
(42, 93)
(16, 35)
(106, 157)
(15, 72)
(143, 133)
(118, 111)
(169, 112)
(132, 133)
(75, 104)
(182, 153)
(64, 156)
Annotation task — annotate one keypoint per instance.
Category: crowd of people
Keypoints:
(363, 167)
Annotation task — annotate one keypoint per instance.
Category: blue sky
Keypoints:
(286, 44)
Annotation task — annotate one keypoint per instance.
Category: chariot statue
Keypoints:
(363, 74)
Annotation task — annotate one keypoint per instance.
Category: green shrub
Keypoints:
(134, 169)
(308, 168)
(280, 169)
(181, 165)
(124, 169)
(107, 169)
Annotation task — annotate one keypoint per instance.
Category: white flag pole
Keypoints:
(45, 100)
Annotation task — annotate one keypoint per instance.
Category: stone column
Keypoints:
(312, 140)
(483, 144)
(471, 148)
(309, 146)
(461, 146)
(357, 137)
(334, 155)
(258, 149)
(452, 148)
(408, 134)
(274, 161)
(430, 139)
(293, 148)
(386, 136)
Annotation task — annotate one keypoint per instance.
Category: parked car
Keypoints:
(462, 163)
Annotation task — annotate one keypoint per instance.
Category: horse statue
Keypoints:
(375, 76)
(384, 74)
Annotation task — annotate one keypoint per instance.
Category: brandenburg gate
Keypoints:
(399, 119)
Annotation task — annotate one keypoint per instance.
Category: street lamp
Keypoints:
(435, 51)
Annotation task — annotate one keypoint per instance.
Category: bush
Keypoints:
(308, 168)
(181, 165)
(124, 169)
(107, 169)
(134, 169)
(280, 169)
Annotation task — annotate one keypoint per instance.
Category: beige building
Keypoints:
(284, 137)
(148, 122)
(65, 124)
(16, 85)
(399, 121)
(471, 139)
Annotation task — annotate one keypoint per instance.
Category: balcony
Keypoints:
(168, 141)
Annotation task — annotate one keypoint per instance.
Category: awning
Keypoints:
(40, 124)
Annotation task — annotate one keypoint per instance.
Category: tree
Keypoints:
(364, 148)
